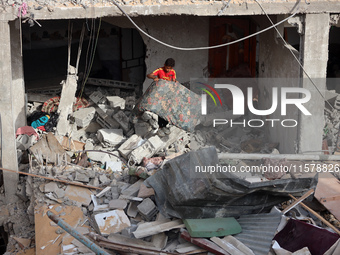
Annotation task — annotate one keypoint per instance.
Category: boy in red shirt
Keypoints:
(164, 73)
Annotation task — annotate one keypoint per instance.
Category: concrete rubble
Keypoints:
(94, 179)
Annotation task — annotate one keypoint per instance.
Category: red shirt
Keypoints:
(169, 76)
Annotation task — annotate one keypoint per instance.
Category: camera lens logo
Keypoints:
(204, 97)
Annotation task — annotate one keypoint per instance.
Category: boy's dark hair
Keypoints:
(170, 62)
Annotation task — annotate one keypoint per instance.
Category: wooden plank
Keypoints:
(46, 238)
(296, 202)
(137, 243)
(327, 191)
(317, 215)
(204, 243)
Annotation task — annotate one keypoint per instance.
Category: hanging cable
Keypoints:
(92, 59)
(287, 46)
(208, 47)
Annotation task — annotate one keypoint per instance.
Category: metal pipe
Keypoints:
(321, 157)
(84, 240)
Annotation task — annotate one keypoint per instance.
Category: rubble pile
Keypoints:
(111, 180)
(332, 125)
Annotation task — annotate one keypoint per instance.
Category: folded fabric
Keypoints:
(40, 122)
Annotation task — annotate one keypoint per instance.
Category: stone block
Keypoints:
(147, 209)
(148, 149)
(97, 97)
(81, 177)
(123, 120)
(117, 204)
(114, 166)
(110, 137)
(24, 141)
(115, 101)
(105, 120)
(84, 116)
(132, 143)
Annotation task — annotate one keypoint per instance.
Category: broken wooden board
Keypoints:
(155, 227)
(328, 193)
(203, 243)
(23, 242)
(48, 148)
(136, 243)
(30, 251)
(46, 238)
(70, 144)
(212, 227)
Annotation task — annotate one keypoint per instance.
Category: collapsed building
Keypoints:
(54, 51)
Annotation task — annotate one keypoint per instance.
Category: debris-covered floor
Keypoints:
(106, 174)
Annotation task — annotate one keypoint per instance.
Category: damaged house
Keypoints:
(76, 125)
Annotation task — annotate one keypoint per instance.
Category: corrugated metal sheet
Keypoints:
(258, 230)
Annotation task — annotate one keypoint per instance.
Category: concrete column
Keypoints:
(18, 86)
(9, 154)
(314, 50)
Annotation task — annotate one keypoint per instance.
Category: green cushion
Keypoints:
(212, 227)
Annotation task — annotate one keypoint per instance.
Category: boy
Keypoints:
(164, 73)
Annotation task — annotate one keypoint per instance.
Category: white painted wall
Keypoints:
(181, 31)
(275, 61)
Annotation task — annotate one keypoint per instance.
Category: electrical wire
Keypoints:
(208, 47)
(92, 59)
(287, 46)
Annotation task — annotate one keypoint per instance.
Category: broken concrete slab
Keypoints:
(70, 144)
(112, 221)
(110, 137)
(23, 142)
(130, 144)
(105, 120)
(145, 192)
(116, 101)
(123, 121)
(232, 245)
(84, 116)
(147, 149)
(114, 166)
(103, 192)
(67, 100)
(117, 204)
(97, 97)
(78, 194)
(155, 227)
(133, 189)
(132, 210)
(48, 148)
